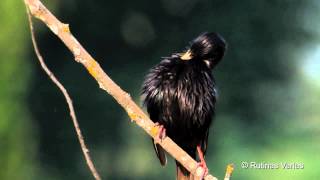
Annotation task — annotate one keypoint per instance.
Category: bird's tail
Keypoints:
(160, 153)
(183, 173)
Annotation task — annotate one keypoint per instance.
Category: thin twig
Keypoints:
(84, 148)
(229, 172)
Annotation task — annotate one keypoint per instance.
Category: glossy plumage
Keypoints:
(180, 94)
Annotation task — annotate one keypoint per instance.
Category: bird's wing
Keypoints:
(152, 100)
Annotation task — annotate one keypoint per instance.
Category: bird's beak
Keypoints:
(186, 56)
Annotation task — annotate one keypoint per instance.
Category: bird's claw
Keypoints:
(161, 134)
(205, 171)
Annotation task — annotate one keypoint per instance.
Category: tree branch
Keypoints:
(73, 116)
(135, 113)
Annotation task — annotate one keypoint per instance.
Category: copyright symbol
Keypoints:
(244, 165)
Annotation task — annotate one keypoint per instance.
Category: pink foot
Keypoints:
(202, 162)
(162, 131)
(205, 169)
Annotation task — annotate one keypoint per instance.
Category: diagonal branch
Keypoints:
(73, 116)
(136, 114)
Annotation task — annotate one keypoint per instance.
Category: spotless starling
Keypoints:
(180, 96)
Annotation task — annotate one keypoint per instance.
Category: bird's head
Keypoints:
(208, 47)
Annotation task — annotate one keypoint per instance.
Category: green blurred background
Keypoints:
(269, 87)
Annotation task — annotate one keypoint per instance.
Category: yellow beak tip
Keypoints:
(186, 56)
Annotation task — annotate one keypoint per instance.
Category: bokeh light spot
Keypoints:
(137, 30)
(311, 66)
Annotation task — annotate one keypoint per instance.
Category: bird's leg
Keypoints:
(202, 162)
(161, 134)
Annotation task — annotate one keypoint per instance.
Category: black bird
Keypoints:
(180, 96)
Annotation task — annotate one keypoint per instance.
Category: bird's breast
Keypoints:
(188, 97)
(181, 97)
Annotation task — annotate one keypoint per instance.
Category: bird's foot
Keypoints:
(205, 169)
(202, 162)
(161, 133)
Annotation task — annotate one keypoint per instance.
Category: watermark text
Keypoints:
(272, 165)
